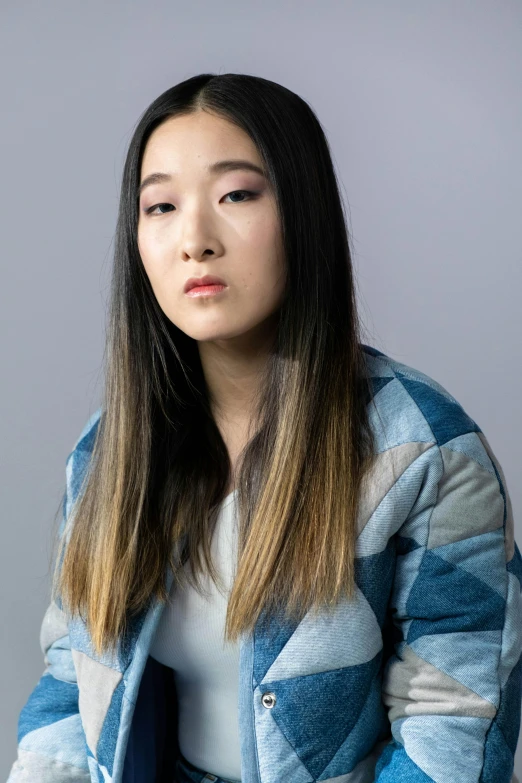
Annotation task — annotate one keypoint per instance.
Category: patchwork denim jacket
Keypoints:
(417, 679)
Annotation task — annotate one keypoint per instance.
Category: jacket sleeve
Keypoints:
(51, 741)
(453, 685)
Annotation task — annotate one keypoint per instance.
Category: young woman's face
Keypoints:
(196, 221)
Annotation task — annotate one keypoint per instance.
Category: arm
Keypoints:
(51, 741)
(453, 686)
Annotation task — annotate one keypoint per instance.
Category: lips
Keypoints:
(206, 280)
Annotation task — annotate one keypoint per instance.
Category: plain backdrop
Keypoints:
(422, 106)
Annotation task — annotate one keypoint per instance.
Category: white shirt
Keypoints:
(189, 639)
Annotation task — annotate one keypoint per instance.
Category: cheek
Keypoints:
(150, 257)
(143, 250)
(265, 242)
(151, 242)
(148, 267)
(141, 239)
(266, 279)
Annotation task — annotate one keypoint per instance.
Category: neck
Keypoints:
(233, 371)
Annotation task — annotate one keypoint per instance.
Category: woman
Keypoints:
(284, 555)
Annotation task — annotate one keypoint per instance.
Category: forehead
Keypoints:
(189, 143)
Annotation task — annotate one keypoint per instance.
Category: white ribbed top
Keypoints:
(189, 639)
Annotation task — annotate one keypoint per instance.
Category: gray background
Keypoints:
(421, 102)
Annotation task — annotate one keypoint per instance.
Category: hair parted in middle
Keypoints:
(159, 467)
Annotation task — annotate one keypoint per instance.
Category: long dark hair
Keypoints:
(159, 466)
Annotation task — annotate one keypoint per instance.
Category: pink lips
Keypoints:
(203, 282)
(205, 290)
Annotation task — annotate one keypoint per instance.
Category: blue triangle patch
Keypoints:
(447, 419)
(449, 599)
(317, 712)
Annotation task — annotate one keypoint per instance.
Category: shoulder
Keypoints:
(410, 405)
(441, 452)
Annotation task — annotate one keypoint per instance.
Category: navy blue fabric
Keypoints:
(152, 747)
(188, 773)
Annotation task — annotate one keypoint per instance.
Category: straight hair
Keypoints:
(159, 468)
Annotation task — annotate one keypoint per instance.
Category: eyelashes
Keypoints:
(250, 193)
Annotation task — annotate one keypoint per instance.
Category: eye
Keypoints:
(233, 192)
(152, 210)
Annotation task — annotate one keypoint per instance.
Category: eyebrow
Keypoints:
(220, 167)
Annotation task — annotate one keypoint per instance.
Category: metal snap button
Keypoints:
(268, 699)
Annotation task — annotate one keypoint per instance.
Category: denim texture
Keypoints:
(418, 678)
